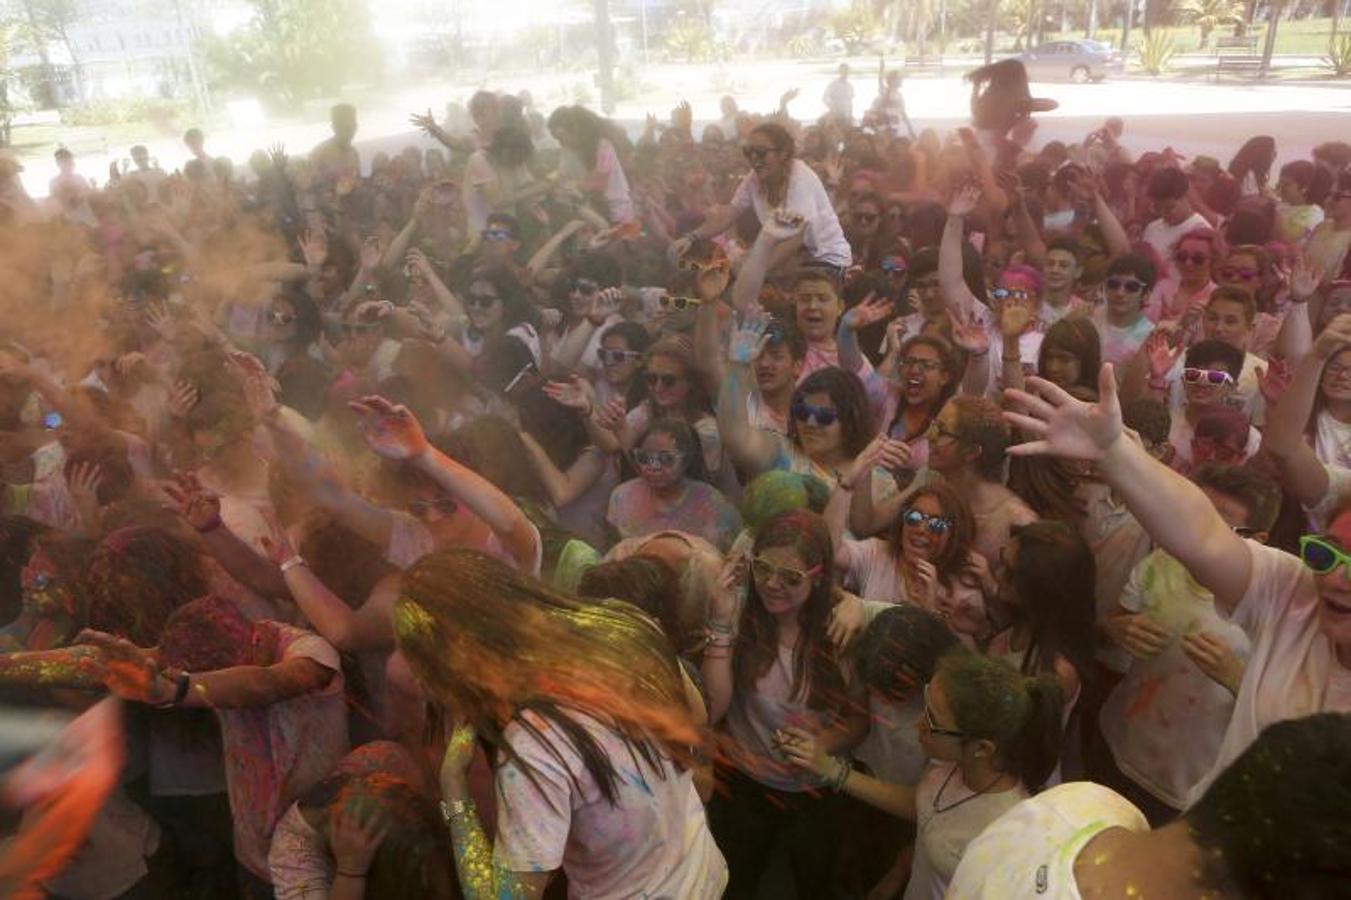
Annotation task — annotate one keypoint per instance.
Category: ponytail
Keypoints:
(1033, 754)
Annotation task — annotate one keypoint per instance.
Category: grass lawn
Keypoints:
(1304, 37)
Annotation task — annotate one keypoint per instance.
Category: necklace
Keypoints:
(939, 796)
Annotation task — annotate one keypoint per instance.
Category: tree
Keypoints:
(855, 26)
(1209, 15)
(294, 50)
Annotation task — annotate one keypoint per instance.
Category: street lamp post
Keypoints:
(989, 31)
(604, 57)
(1269, 46)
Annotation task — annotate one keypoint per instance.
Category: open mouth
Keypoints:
(919, 543)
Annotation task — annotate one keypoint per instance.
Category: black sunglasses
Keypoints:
(481, 301)
(754, 153)
(665, 379)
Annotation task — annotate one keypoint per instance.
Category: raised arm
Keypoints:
(565, 487)
(1175, 513)
(395, 433)
(950, 278)
(869, 311)
(778, 230)
(752, 449)
(1113, 235)
(200, 508)
(1302, 474)
(724, 607)
(1295, 339)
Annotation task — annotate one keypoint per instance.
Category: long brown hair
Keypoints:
(491, 643)
(816, 670)
(961, 532)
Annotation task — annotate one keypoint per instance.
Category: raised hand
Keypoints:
(869, 311)
(197, 506)
(314, 248)
(84, 480)
(260, 388)
(927, 576)
(182, 399)
(803, 750)
(612, 415)
(1274, 380)
(1215, 658)
(1063, 426)
(277, 153)
(391, 431)
(1015, 319)
(968, 333)
(575, 393)
(789, 96)
(358, 829)
(426, 121)
(371, 253)
(604, 304)
(965, 201)
(782, 225)
(882, 452)
(748, 337)
(160, 321)
(1162, 350)
(977, 568)
(1305, 278)
(724, 600)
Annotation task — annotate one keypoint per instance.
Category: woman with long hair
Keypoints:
(584, 708)
(1047, 589)
(1301, 188)
(992, 736)
(1251, 165)
(497, 177)
(497, 306)
(590, 160)
(925, 560)
(767, 667)
(1070, 353)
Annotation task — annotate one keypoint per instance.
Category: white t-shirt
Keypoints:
(1165, 719)
(839, 99)
(481, 176)
(947, 824)
(872, 566)
(1030, 850)
(1332, 441)
(806, 196)
(892, 749)
(653, 842)
(1181, 432)
(1164, 237)
(1293, 670)
(1247, 394)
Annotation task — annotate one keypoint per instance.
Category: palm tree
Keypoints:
(1209, 15)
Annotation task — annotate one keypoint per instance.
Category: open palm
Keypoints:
(1063, 426)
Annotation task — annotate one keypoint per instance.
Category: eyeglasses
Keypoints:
(1243, 531)
(754, 153)
(935, 524)
(822, 416)
(1321, 556)
(657, 459)
(894, 265)
(679, 304)
(444, 505)
(665, 379)
(932, 725)
(1182, 258)
(766, 571)
(1234, 273)
(480, 301)
(496, 235)
(1216, 377)
(1003, 293)
(585, 286)
(937, 430)
(924, 365)
(1335, 371)
(616, 357)
(1129, 285)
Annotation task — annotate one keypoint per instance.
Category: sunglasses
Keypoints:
(1216, 377)
(679, 304)
(693, 265)
(665, 379)
(444, 505)
(1129, 285)
(1182, 257)
(281, 318)
(894, 265)
(616, 357)
(823, 416)
(931, 724)
(935, 524)
(924, 365)
(755, 154)
(585, 286)
(1234, 273)
(1003, 293)
(496, 235)
(657, 459)
(766, 571)
(481, 301)
(1321, 556)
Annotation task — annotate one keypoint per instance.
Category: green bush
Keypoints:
(1157, 52)
(1339, 56)
(118, 112)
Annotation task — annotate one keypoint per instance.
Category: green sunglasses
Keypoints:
(1322, 556)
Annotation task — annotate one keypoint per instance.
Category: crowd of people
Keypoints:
(816, 509)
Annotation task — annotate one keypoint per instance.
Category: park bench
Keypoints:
(1237, 56)
(927, 62)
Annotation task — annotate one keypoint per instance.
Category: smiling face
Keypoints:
(920, 541)
(1334, 588)
(667, 382)
(779, 598)
(1335, 383)
(819, 441)
(660, 462)
(1240, 270)
(1061, 271)
(818, 310)
(767, 161)
(945, 448)
(1226, 320)
(618, 371)
(1203, 394)
(923, 377)
(483, 305)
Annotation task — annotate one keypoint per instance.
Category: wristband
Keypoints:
(291, 563)
(182, 682)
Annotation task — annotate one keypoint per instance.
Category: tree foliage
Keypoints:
(1209, 15)
(295, 50)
